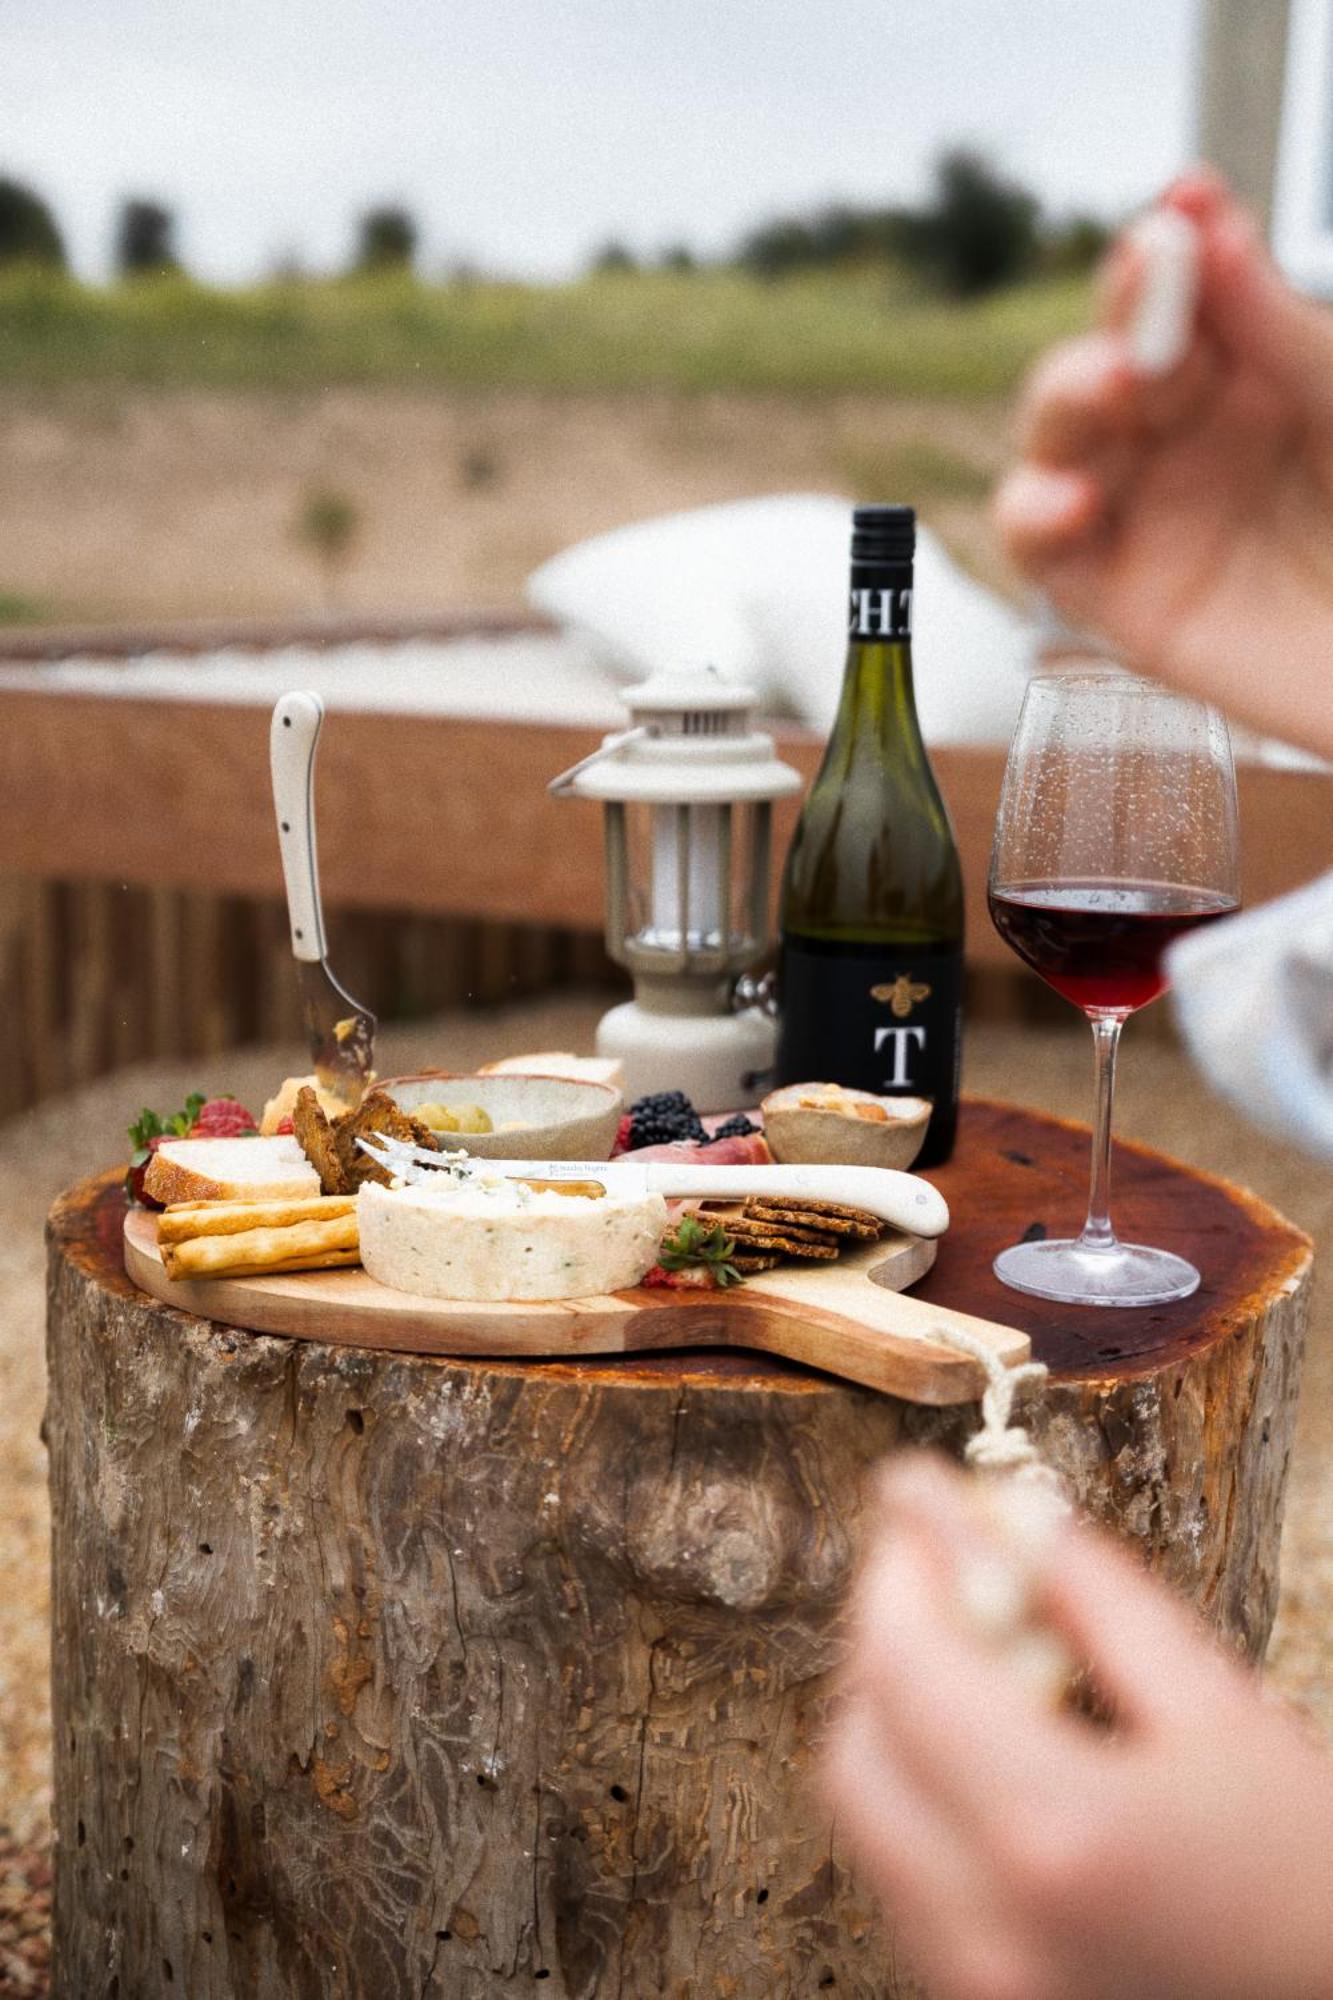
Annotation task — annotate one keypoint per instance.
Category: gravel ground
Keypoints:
(45, 1150)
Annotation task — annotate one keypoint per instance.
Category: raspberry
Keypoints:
(222, 1118)
(623, 1140)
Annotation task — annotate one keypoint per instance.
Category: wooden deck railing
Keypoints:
(140, 908)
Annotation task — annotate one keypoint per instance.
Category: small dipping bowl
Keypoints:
(550, 1117)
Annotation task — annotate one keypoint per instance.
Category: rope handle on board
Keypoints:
(1000, 1446)
(1025, 1503)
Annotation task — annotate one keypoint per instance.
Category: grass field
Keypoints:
(691, 332)
(160, 442)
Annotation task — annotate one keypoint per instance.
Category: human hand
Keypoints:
(1186, 1853)
(1189, 516)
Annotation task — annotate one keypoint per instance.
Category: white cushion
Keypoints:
(759, 588)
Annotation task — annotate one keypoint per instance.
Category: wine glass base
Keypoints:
(1122, 1274)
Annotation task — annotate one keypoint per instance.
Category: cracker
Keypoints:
(185, 1220)
(833, 1217)
(318, 1141)
(760, 1237)
(377, 1113)
(327, 1260)
(252, 1250)
(747, 1265)
(798, 1227)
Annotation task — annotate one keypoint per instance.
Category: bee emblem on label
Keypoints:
(900, 998)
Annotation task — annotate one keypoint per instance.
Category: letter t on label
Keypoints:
(902, 1039)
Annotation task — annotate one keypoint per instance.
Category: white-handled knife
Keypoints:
(903, 1200)
(341, 1030)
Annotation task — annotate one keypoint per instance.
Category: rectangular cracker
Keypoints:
(803, 1232)
(759, 1239)
(253, 1250)
(185, 1220)
(832, 1217)
(329, 1260)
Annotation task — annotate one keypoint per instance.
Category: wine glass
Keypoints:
(1116, 835)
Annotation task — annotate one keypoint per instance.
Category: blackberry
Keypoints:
(665, 1116)
(739, 1127)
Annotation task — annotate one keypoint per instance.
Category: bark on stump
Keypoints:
(377, 1675)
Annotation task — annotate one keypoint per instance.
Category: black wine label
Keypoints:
(880, 604)
(874, 1018)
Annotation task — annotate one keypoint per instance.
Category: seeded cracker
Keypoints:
(832, 1218)
(798, 1227)
(757, 1237)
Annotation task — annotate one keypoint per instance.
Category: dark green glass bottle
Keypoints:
(870, 969)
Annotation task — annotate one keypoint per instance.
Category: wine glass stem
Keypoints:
(1097, 1231)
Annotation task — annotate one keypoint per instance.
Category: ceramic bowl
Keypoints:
(804, 1131)
(548, 1117)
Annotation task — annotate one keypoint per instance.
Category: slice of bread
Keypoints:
(273, 1169)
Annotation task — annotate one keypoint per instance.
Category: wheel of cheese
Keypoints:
(497, 1240)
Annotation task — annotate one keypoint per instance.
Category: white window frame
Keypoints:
(1303, 185)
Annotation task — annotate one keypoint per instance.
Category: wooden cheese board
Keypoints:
(852, 1319)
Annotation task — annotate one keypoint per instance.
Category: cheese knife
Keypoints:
(903, 1200)
(341, 1031)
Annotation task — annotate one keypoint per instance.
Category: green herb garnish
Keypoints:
(149, 1125)
(704, 1243)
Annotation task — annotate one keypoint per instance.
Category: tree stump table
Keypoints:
(378, 1675)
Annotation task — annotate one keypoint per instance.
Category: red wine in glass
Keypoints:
(1100, 944)
(1116, 834)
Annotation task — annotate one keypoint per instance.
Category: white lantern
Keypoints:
(688, 793)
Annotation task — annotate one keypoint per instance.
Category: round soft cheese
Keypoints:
(495, 1240)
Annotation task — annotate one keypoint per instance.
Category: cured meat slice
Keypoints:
(748, 1150)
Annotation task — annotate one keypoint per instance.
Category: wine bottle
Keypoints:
(870, 966)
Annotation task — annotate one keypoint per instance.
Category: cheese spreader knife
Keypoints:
(903, 1200)
(341, 1030)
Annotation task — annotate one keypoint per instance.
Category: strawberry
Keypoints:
(138, 1167)
(697, 1278)
(222, 1118)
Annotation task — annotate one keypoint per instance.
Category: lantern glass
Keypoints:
(695, 881)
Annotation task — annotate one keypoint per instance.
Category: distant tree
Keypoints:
(980, 232)
(145, 239)
(843, 235)
(28, 231)
(679, 257)
(327, 523)
(386, 241)
(777, 247)
(614, 257)
(835, 235)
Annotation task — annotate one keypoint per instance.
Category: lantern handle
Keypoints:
(751, 992)
(608, 748)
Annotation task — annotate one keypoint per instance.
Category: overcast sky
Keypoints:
(523, 133)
